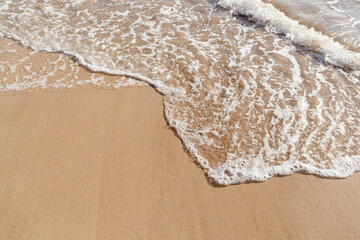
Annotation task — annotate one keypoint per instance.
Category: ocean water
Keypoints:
(24, 69)
(253, 88)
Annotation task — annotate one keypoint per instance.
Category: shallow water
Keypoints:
(251, 91)
(338, 19)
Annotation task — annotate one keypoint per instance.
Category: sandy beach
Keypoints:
(90, 156)
(93, 163)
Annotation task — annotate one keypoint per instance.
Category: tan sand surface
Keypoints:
(90, 163)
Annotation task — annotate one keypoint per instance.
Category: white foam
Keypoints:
(265, 13)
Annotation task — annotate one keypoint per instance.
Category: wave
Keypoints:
(265, 13)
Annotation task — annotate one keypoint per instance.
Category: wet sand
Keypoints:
(91, 163)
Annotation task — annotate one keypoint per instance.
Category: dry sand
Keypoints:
(90, 163)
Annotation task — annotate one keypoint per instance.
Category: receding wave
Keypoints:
(247, 104)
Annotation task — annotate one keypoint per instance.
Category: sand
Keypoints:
(92, 163)
(96, 163)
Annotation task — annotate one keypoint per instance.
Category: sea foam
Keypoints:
(265, 13)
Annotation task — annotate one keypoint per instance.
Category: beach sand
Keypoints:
(93, 163)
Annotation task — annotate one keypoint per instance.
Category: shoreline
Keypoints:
(94, 163)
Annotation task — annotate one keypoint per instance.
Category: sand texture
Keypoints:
(90, 163)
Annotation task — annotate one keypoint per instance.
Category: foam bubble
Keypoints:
(266, 13)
